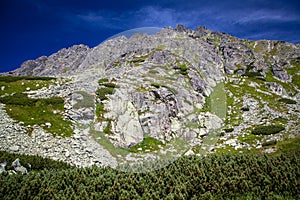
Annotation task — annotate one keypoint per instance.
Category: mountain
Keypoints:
(177, 92)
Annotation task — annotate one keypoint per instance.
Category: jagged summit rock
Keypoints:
(62, 63)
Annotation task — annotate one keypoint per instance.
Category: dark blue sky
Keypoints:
(32, 28)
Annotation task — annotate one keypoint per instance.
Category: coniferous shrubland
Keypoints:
(36, 162)
(215, 176)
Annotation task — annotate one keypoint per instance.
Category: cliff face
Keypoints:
(177, 84)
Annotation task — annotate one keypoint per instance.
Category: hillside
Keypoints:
(148, 97)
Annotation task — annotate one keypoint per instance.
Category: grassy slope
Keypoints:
(33, 111)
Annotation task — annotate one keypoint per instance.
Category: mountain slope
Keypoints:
(157, 96)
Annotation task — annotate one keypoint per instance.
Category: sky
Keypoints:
(32, 28)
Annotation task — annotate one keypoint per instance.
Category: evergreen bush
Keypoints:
(267, 130)
(228, 176)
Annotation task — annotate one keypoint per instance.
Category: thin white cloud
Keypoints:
(267, 16)
(102, 19)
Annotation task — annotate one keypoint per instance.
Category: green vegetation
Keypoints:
(100, 111)
(270, 143)
(252, 88)
(19, 84)
(250, 138)
(153, 71)
(294, 71)
(245, 109)
(100, 137)
(40, 112)
(37, 162)
(182, 69)
(228, 130)
(296, 80)
(216, 102)
(251, 74)
(287, 101)
(157, 85)
(226, 176)
(9, 79)
(160, 47)
(85, 102)
(34, 111)
(106, 88)
(102, 92)
(138, 60)
(267, 130)
(107, 128)
(288, 145)
(296, 62)
(103, 80)
(148, 143)
(287, 86)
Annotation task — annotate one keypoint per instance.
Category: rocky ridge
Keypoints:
(162, 83)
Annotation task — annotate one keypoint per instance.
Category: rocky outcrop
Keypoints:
(62, 63)
(14, 168)
(125, 126)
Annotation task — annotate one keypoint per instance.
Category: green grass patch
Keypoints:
(100, 111)
(102, 92)
(253, 74)
(107, 88)
(288, 146)
(269, 143)
(148, 143)
(109, 85)
(295, 73)
(183, 68)
(229, 149)
(86, 102)
(250, 138)
(13, 84)
(107, 130)
(39, 111)
(157, 85)
(216, 102)
(287, 86)
(296, 80)
(137, 61)
(103, 80)
(296, 62)
(34, 111)
(153, 71)
(105, 142)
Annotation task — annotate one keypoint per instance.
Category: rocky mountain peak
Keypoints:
(176, 86)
